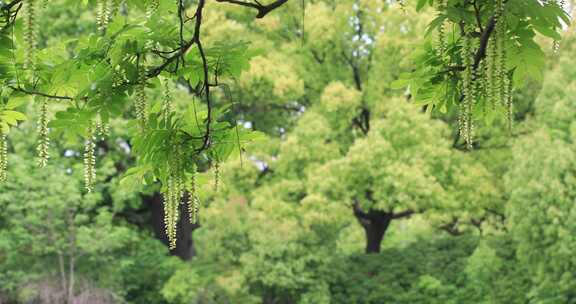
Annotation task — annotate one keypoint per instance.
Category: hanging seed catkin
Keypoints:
(44, 139)
(30, 34)
(3, 156)
(90, 160)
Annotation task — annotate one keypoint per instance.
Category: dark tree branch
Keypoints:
(478, 15)
(484, 39)
(263, 10)
(9, 14)
(358, 212)
(358, 123)
(196, 39)
(10, 5)
(181, 13)
(451, 228)
(402, 214)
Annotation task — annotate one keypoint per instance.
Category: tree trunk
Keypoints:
(184, 243)
(375, 224)
(375, 230)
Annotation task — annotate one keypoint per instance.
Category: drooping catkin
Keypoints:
(101, 130)
(173, 194)
(193, 200)
(3, 156)
(171, 203)
(30, 34)
(141, 99)
(43, 140)
(90, 160)
(468, 86)
(167, 100)
(103, 14)
(216, 175)
(491, 71)
(442, 44)
(509, 101)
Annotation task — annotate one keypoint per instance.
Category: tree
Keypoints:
(540, 182)
(401, 168)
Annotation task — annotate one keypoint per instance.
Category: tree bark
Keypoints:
(185, 249)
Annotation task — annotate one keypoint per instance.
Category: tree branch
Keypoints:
(263, 10)
(402, 214)
(484, 39)
(206, 84)
(10, 5)
(358, 212)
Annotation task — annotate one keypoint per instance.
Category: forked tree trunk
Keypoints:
(375, 224)
(375, 231)
(184, 242)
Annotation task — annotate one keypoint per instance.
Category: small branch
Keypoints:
(263, 10)
(478, 17)
(358, 212)
(181, 12)
(10, 5)
(19, 89)
(179, 53)
(356, 122)
(484, 39)
(206, 84)
(402, 214)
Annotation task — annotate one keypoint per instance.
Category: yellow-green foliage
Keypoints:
(397, 163)
(278, 78)
(339, 98)
(321, 23)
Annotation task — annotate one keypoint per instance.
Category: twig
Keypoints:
(20, 89)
